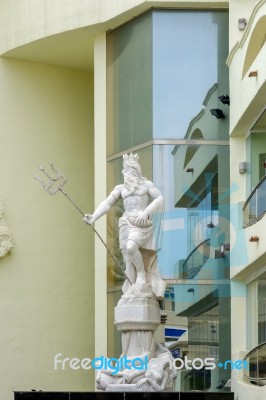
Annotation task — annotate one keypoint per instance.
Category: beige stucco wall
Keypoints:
(247, 93)
(238, 9)
(28, 20)
(247, 103)
(47, 282)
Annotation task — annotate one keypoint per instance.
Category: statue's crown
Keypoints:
(130, 163)
(130, 158)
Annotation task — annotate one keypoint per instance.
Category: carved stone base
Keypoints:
(137, 316)
(127, 387)
(158, 377)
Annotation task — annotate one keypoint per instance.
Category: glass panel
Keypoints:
(250, 211)
(262, 362)
(252, 364)
(256, 205)
(195, 226)
(182, 94)
(256, 153)
(196, 219)
(255, 372)
(152, 91)
(256, 171)
(129, 84)
(262, 312)
(261, 199)
(203, 334)
(198, 380)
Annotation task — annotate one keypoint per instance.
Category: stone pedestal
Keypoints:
(137, 316)
(141, 317)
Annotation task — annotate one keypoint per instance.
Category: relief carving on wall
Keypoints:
(6, 239)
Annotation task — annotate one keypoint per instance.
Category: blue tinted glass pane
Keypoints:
(189, 72)
(196, 218)
(261, 199)
(129, 84)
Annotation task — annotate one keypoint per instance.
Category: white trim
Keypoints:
(197, 282)
(256, 274)
(100, 262)
(170, 142)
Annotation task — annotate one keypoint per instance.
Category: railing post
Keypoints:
(256, 203)
(257, 352)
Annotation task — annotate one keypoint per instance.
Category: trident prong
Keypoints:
(49, 190)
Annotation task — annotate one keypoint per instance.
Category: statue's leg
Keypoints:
(136, 258)
(130, 270)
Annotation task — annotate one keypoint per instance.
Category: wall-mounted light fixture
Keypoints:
(189, 169)
(242, 23)
(210, 225)
(225, 99)
(217, 113)
(242, 167)
(253, 74)
(254, 239)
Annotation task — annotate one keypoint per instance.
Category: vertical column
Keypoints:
(238, 328)
(238, 316)
(100, 193)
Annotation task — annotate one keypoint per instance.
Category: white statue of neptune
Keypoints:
(139, 225)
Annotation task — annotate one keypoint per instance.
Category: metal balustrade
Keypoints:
(255, 365)
(255, 206)
(196, 259)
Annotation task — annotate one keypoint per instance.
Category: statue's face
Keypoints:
(131, 179)
(126, 173)
(132, 168)
(127, 177)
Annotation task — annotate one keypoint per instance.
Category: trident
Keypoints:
(51, 189)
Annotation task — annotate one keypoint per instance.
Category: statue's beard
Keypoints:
(131, 183)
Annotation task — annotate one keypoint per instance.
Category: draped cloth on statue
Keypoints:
(149, 240)
(147, 237)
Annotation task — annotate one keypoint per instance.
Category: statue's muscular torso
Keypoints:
(136, 201)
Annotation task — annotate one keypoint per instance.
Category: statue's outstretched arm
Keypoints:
(104, 206)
